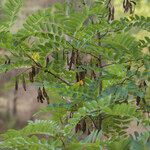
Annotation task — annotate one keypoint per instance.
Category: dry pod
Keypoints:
(16, 84)
(83, 125)
(32, 74)
(31, 78)
(40, 97)
(8, 60)
(93, 75)
(67, 59)
(78, 128)
(111, 11)
(47, 61)
(33, 71)
(138, 99)
(45, 95)
(72, 59)
(128, 6)
(5, 62)
(24, 83)
(144, 83)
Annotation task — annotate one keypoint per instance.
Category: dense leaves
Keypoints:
(95, 64)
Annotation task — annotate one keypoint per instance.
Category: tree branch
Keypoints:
(61, 79)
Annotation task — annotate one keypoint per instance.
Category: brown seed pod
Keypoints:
(16, 83)
(78, 128)
(33, 71)
(128, 67)
(144, 83)
(111, 11)
(67, 59)
(40, 97)
(31, 78)
(24, 83)
(8, 61)
(138, 99)
(83, 125)
(93, 75)
(72, 59)
(46, 95)
(82, 75)
(5, 62)
(128, 6)
(77, 77)
(47, 61)
(37, 70)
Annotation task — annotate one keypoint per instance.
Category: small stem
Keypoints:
(38, 64)
(93, 122)
(82, 51)
(114, 63)
(61, 79)
(100, 65)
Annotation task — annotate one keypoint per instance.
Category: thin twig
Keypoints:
(132, 74)
(82, 51)
(61, 79)
(114, 63)
(38, 65)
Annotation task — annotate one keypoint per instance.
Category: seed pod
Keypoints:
(33, 71)
(47, 61)
(39, 92)
(67, 59)
(88, 133)
(31, 78)
(138, 99)
(8, 61)
(77, 77)
(72, 59)
(40, 97)
(63, 54)
(83, 125)
(24, 83)
(5, 62)
(128, 67)
(45, 95)
(128, 6)
(111, 13)
(37, 70)
(82, 75)
(16, 84)
(93, 75)
(78, 128)
(144, 83)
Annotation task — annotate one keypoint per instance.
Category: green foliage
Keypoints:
(10, 9)
(96, 67)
